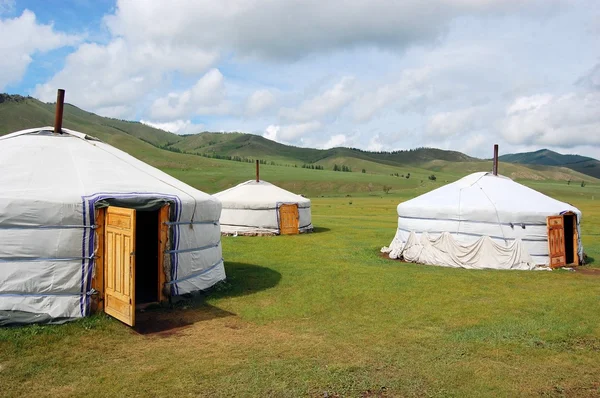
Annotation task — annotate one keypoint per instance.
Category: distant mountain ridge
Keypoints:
(546, 157)
(147, 143)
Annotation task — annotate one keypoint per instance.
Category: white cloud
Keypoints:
(325, 74)
(259, 101)
(118, 111)
(445, 124)
(410, 88)
(294, 28)
(335, 141)
(291, 133)
(205, 97)
(177, 126)
(324, 104)
(271, 132)
(119, 73)
(22, 38)
(555, 120)
(375, 144)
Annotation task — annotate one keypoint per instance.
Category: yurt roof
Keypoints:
(40, 165)
(484, 197)
(258, 195)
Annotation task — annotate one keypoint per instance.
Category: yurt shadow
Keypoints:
(318, 230)
(165, 322)
(242, 279)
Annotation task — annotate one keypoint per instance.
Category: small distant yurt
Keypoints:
(85, 227)
(487, 221)
(261, 208)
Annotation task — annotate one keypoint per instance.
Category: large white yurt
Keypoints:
(487, 221)
(85, 226)
(261, 208)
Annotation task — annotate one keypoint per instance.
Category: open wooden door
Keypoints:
(119, 264)
(289, 219)
(556, 241)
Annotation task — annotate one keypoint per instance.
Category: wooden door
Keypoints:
(556, 241)
(289, 219)
(119, 264)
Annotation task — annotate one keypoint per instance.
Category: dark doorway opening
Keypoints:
(146, 257)
(569, 223)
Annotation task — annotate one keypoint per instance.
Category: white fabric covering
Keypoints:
(479, 221)
(50, 185)
(252, 207)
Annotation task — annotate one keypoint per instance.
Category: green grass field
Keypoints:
(323, 314)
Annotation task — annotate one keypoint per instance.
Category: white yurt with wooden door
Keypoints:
(86, 226)
(261, 208)
(487, 221)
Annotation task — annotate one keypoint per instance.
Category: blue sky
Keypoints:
(378, 75)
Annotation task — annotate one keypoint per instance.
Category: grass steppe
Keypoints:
(323, 314)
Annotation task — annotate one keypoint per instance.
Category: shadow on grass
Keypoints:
(186, 310)
(244, 279)
(318, 230)
(168, 321)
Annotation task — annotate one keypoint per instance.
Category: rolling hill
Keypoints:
(546, 157)
(213, 169)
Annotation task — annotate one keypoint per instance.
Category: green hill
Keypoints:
(214, 170)
(546, 157)
(17, 113)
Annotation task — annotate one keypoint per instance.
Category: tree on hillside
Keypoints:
(432, 177)
(386, 188)
(408, 175)
(582, 184)
(336, 167)
(364, 171)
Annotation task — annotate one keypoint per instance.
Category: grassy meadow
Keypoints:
(323, 314)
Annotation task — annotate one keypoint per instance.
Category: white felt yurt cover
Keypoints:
(252, 207)
(479, 221)
(50, 185)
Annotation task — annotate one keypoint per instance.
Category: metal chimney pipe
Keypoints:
(257, 172)
(60, 103)
(495, 168)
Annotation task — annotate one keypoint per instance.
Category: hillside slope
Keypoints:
(546, 157)
(17, 113)
(380, 168)
(250, 145)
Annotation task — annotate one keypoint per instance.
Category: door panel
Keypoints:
(556, 241)
(119, 247)
(289, 219)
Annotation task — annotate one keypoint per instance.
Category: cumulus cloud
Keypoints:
(177, 126)
(446, 124)
(102, 76)
(375, 144)
(259, 101)
(22, 38)
(327, 103)
(335, 141)
(294, 28)
(271, 132)
(205, 97)
(556, 120)
(412, 87)
(291, 133)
